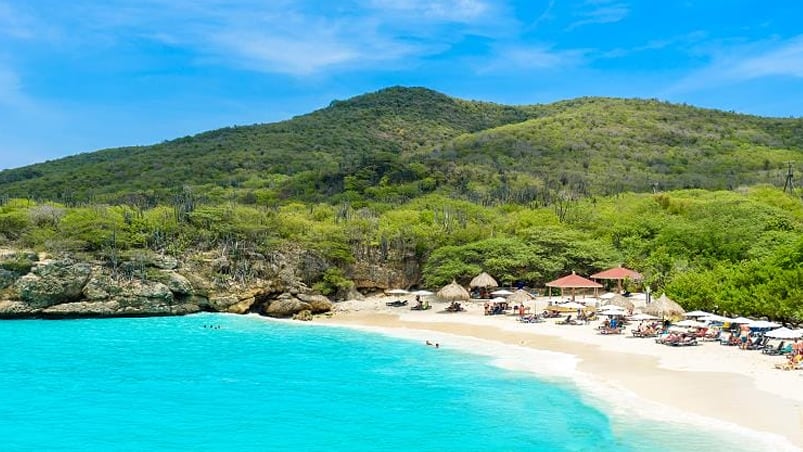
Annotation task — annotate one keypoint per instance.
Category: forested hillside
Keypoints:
(400, 143)
(410, 187)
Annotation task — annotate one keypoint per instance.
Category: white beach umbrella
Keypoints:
(698, 314)
(613, 307)
(498, 299)
(714, 318)
(691, 323)
(643, 317)
(397, 292)
(741, 320)
(502, 292)
(612, 313)
(572, 305)
(784, 333)
(607, 295)
(422, 293)
(763, 324)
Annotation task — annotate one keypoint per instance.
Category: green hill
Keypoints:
(306, 156)
(400, 143)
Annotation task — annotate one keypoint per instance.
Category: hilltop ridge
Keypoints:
(398, 143)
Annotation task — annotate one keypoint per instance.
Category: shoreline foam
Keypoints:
(719, 387)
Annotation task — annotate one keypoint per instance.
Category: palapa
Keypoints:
(620, 301)
(483, 280)
(664, 307)
(453, 292)
(520, 296)
(618, 274)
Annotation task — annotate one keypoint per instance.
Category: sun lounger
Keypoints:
(684, 341)
(610, 331)
(770, 350)
(530, 319)
(397, 303)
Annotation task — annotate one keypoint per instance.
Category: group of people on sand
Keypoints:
(794, 360)
(420, 305)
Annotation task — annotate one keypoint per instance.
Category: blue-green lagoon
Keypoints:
(226, 382)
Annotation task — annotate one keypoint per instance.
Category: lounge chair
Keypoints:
(610, 331)
(532, 318)
(770, 350)
(759, 343)
(397, 303)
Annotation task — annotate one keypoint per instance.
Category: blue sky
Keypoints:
(83, 75)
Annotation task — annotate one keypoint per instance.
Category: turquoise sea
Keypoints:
(225, 382)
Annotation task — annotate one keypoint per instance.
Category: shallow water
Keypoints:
(248, 384)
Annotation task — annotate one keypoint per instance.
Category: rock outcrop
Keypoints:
(54, 282)
(148, 284)
(286, 307)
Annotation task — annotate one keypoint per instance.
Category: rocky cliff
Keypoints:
(149, 284)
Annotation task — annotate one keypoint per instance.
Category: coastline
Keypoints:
(708, 384)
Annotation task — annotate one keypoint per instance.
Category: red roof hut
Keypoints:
(574, 281)
(618, 273)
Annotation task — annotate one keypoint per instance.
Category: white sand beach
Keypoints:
(705, 383)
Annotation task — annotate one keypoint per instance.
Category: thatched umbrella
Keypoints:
(622, 302)
(664, 307)
(453, 292)
(483, 280)
(520, 296)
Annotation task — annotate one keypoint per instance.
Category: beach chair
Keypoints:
(759, 343)
(607, 331)
(770, 350)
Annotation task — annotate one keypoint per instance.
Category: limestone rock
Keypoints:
(304, 315)
(99, 288)
(178, 284)
(10, 309)
(53, 283)
(286, 307)
(7, 278)
(318, 303)
(144, 298)
(242, 306)
(234, 302)
(222, 303)
(350, 294)
(83, 309)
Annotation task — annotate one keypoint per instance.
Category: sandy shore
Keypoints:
(708, 382)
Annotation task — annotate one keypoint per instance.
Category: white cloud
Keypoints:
(516, 58)
(439, 10)
(600, 12)
(286, 36)
(14, 24)
(11, 93)
(734, 64)
(784, 60)
(284, 54)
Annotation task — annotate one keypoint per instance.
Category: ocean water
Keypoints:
(240, 383)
